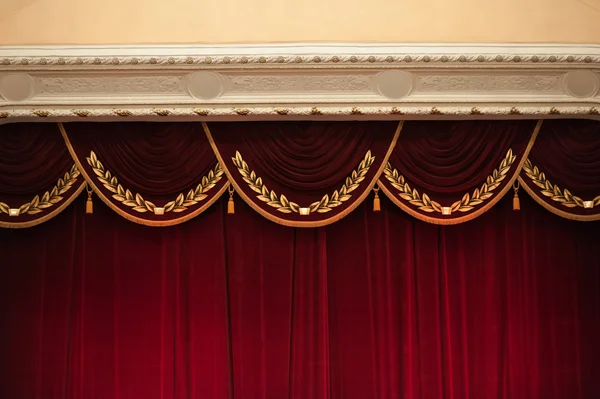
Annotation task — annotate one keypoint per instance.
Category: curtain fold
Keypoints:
(147, 311)
(37, 176)
(306, 174)
(156, 174)
(451, 172)
(376, 305)
(299, 174)
(563, 170)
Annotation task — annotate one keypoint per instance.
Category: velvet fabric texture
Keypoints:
(448, 159)
(568, 154)
(377, 305)
(32, 160)
(319, 166)
(158, 161)
(304, 162)
(568, 151)
(444, 161)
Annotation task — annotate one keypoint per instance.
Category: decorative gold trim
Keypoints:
(472, 215)
(282, 204)
(48, 200)
(111, 183)
(291, 223)
(126, 215)
(139, 204)
(337, 112)
(555, 193)
(406, 192)
(466, 204)
(564, 197)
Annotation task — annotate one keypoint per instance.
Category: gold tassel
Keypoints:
(230, 203)
(516, 201)
(376, 202)
(89, 205)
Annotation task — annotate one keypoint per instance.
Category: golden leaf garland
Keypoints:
(397, 181)
(198, 194)
(486, 190)
(139, 204)
(555, 193)
(467, 203)
(282, 204)
(50, 198)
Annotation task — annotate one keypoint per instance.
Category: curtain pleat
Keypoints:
(452, 172)
(234, 306)
(38, 178)
(306, 174)
(298, 174)
(563, 170)
(156, 174)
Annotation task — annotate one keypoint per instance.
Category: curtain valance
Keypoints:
(301, 174)
(451, 172)
(38, 178)
(155, 174)
(563, 170)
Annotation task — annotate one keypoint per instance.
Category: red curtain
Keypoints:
(563, 172)
(306, 162)
(168, 165)
(157, 159)
(568, 153)
(377, 305)
(32, 160)
(448, 159)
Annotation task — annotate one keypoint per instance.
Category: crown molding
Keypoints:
(299, 81)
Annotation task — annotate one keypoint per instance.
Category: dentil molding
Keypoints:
(299, 81)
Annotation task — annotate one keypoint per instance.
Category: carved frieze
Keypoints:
(488, 83)
(279, 82)
(113, 83)
(300, 83)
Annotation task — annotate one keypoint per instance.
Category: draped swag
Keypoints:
(302, 174)
(563, 170)
(449, 172)
(152, 173)
(313, 173)
(38, 178)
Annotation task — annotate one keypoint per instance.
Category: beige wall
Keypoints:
(263, 21)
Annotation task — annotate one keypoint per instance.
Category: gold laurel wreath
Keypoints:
(282, 204)
(50, 198)
(397, 181)
(555, 193)
(468, 201)
(139, 204)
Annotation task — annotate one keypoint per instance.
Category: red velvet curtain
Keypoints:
(304, 162)
(563, 173)
(32, 160)
(170, 165)
(377, 305)
(449, 158)
(157, 159)
(568, 152)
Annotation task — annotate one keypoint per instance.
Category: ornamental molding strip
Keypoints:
(299, 81)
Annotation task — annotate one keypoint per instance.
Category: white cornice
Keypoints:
(286, 81)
